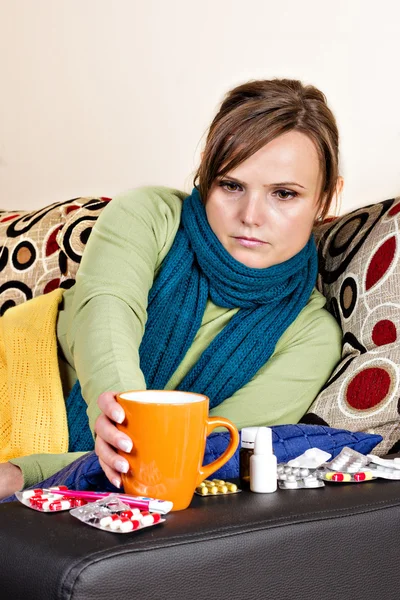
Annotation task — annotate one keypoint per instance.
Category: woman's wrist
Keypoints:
(11, 479)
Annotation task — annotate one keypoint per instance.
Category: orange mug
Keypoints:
(169, 431)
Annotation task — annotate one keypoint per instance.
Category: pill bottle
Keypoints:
(263, 474)
(248, 436)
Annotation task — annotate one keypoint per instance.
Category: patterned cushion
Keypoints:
(31, 261)
(359, 273)
(73, 236)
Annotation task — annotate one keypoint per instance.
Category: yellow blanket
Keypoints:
(33, 417)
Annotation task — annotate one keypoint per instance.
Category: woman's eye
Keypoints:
(285, 194)
(230, 186)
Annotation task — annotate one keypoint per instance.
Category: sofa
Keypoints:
(331, 543)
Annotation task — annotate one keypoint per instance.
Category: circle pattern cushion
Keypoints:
(359, 274)
(31, 260)
(72, 238)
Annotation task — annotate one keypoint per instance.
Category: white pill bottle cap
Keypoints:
(248, 437)
(263, 441)
(263, 463)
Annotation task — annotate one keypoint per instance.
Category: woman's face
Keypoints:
(263, 211)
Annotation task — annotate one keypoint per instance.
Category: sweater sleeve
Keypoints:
(282, 391)
(38, 467)
(105, 315)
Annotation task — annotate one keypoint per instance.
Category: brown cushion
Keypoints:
(359, 274)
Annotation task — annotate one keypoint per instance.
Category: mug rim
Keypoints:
(198, 397)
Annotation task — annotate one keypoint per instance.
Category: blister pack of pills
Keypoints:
(310, 459)
(384, 468)
(345, 477)
(216, 487)
(296, 478)
(348, 461)
(46, 501)
(110, 514)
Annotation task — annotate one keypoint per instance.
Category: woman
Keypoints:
(214, 292)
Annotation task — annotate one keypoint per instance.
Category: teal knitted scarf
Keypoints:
(198, 267)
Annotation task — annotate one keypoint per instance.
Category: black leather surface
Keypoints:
(339, 542)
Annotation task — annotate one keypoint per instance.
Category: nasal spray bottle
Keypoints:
(263, 474)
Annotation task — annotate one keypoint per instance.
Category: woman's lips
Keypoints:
(249, 242)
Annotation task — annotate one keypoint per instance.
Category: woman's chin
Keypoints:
(251, 259)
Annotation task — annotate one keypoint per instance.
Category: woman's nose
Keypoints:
(252, 210)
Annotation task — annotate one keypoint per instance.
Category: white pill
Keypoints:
(291, 485)
(311, 482)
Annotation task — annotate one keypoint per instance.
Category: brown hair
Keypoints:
(257, 112)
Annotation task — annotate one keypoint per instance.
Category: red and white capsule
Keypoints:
(148, 518)
(115, 522)
(133, 513)
(126, 525)
(30, 493)
(60, 505)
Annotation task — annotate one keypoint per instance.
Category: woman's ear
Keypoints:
(338, 194)
(339, 186)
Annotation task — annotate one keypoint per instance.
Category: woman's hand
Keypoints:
(108, 438)
(11, 479)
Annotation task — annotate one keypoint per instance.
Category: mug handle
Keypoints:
(212, 423)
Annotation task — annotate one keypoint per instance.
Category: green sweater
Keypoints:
(102, 321)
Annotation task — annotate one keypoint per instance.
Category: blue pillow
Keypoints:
(290, 441)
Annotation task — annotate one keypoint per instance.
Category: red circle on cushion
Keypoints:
(380, 262)
(384, 332)
(51, 285)
(71, 208)
(368, 388)
(394, 210)
(51, 245)
(8, 218)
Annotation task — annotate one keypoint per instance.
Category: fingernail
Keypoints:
(125, 445)
(117, 415)
(117, 482)
(122, 466)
